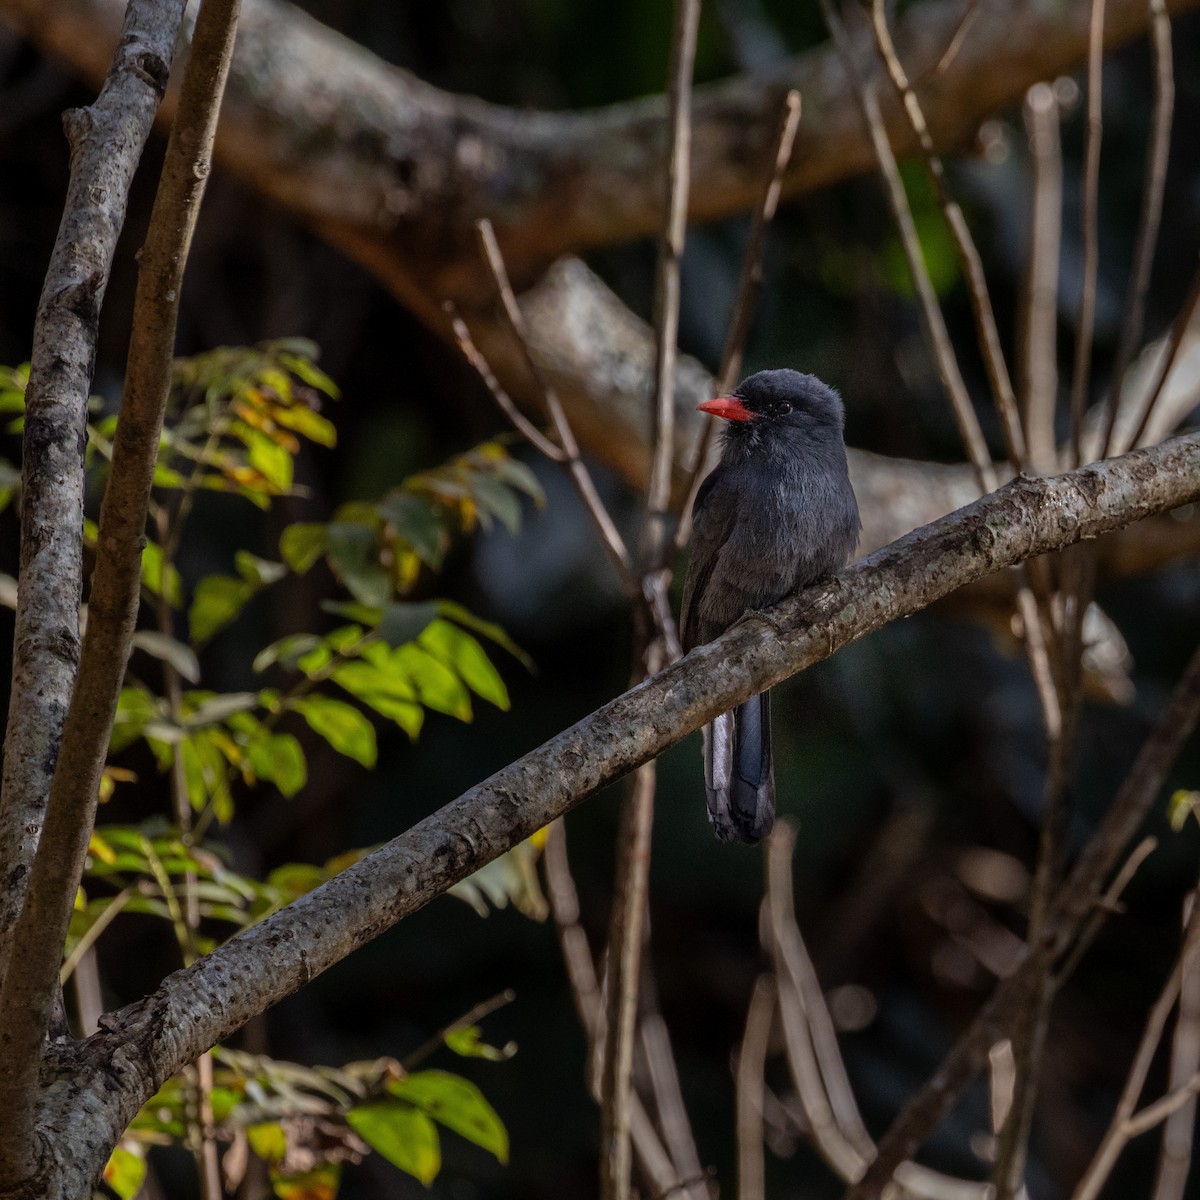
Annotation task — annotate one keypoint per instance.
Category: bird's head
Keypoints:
(781, 399)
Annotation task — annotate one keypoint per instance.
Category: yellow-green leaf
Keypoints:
(404, 1136)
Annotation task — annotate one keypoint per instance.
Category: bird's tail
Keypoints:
(738, 778)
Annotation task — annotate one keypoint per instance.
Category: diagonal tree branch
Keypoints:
(397, 172)
(145, 1042)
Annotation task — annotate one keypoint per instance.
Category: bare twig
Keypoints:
(968, 254)
(952, 47)
(795, 964)
(659, 1060)
(472, 1016)
(631, 883)
(1120, 1129)
(1186, 314)
(1157, 151)
(1039, 307)
(567, 450)
(1091, 246)
(473, 355)
(666, 286)
(1175, 1155)
(624, 965)
(749, 285)
(750, 1067)
(1108, 904)
(652, 1156)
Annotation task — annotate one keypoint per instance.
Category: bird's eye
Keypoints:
(782, 408)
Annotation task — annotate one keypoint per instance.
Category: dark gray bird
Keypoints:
(775, 515)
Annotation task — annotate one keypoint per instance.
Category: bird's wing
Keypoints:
(712, 521)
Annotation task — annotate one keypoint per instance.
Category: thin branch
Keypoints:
(952, 47)
(31, 979)
(1182, 322)
(1091, 241)
(473, 355)
(750, 1068)
(968, 254)
(657, 538)
(1161, 1110)
(1039, 304)
(652, 1156)
(567, 449)
(624, 965)
(1157, 152)
(193, 1009)
(1108, 904)
(745, 302)
(794, 961)
(1071, 910)
(1119, 1129)
(1175, 1154)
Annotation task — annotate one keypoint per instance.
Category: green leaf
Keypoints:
(307, 423)
(279, 759)
(300, 545)
(341, 725)
(499, 501)
(404, 1136)
(125, 1173)
(287, 650)
(460, 651)
(417, 522)
(1183, 804)
(468, 1042)
(404, 621)
(211, 708)
(354, 552)
(268, 1140)
(269, 459)
(437, 686)
(159, 579)
(456, 1103)
(489, 629)
(167, 649)
(259, 571)
(218, 600)
(516, 474)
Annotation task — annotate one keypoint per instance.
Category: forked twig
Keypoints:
(1122, 1127)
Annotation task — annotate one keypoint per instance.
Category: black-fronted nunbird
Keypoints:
(776, 514)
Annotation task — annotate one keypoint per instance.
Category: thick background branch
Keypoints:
(397, 171)
(192, 1009)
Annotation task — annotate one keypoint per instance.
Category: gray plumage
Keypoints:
(776, 514)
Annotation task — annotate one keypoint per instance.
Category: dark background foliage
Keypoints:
(912, 762)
